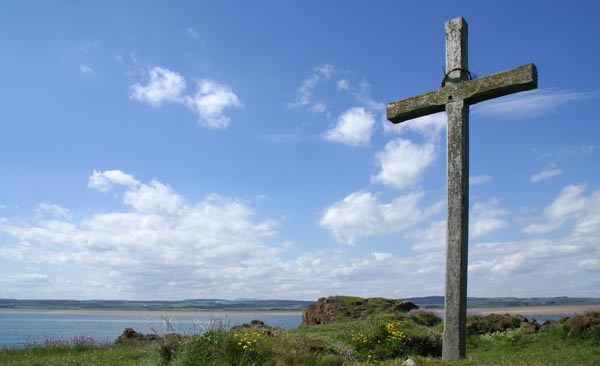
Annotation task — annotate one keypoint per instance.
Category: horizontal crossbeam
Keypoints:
(507, 82)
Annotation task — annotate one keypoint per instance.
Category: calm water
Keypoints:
(22, 328)
(26, 327)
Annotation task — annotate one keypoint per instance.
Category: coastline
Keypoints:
(535, 310)
(524, 310)
(151, 312)
(527, 310)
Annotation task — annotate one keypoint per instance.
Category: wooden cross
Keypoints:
(458, 91)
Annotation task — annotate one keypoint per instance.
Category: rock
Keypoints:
(256, 325)
(130, 336)
(424, 317)
(409, 362)
(332, 309)
(492, 323)
(581, 322)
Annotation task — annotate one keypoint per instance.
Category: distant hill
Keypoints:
(431, 302)
(191, 304)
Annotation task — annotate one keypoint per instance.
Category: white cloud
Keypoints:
(305, 90)
(546, 174)
(479, 179)
(590, 264)
(319, 107)
(569, 203)
(215, 241)
(363, 95)
(485, 218)
(343, 84)
(103, 181)
(532, 103)
(430, 126)
(163, 86)
(210, 100)
(360, 214)
(403, 163)
(354, 128)
(433, 237)
(86, 69)
(53, 210)
(26, 279)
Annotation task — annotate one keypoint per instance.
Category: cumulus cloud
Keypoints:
(159, 244)
(486, 218)
(568, 204)
(360, 214)
(103, 181)
(402, 163)
(156, 241)
(546, 174)
(163, 86)
(215, 247)
(208, 102)
(354, 127)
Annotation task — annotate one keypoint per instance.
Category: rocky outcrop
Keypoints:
(341, 308)
(579, 323)
(498, 323)
(130, 336)
(255, 325)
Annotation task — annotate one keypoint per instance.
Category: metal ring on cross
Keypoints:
(470, 75)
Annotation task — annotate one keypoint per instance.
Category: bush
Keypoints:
(387, 339)
(424, 317)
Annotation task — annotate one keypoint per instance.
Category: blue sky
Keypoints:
(240, 149)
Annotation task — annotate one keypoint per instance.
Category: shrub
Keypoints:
(424, 317)
(386, 339)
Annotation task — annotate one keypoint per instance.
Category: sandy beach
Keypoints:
(540, 310)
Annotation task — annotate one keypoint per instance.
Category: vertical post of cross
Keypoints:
(457, 224)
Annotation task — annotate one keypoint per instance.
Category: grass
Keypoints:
(386, 341)
(115, 355)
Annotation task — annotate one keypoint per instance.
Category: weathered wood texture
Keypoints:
(455, 97)
(503, 83)
(457, 208)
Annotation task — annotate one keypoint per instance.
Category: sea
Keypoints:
(31, 328)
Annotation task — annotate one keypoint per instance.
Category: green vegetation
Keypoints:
(385, 340)
(116, 355)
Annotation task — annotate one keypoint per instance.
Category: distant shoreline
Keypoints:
(541, 310)
(535, 310)
(138, 312)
